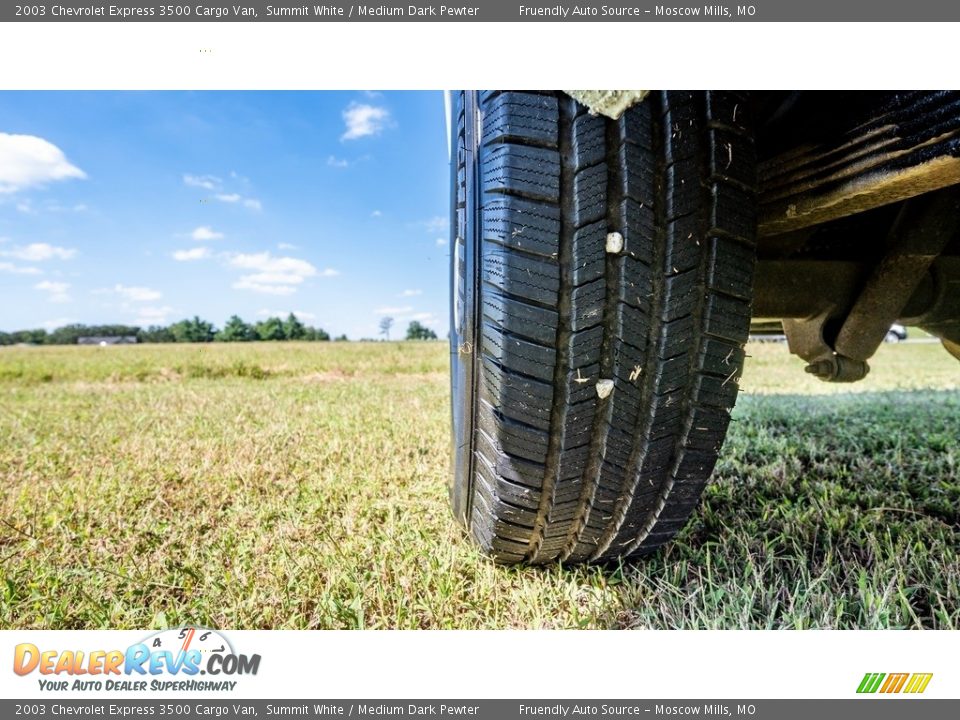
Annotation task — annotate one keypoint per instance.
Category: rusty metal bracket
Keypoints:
(807, 338)
(952, 348)
(839, 354)
(839, 369)
(923, 228)
(935, 306)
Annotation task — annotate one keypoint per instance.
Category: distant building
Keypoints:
(104, 340)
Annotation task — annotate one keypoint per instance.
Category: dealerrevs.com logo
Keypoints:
(169, 660)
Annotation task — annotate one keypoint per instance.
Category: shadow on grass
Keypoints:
(837, 511)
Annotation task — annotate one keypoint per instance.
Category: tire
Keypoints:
(552, 461)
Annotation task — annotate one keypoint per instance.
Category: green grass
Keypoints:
(304, 486)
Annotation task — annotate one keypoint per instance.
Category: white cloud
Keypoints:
(29, 161)
(424, 317)
(245, 283)
(132, 293)
(274, 275)
(205, 233)
(28, 208)
(19, 269)
(265, 262)
(362, 120)
(215, 185)
(234, 198)
(200, 253)
(38, 252)
(437, 224)
(301, 314)
(57, 323)
(58, 208)
(441, 242)
(268, 278)
(336, 162)
(410, 293)
(376, 213)
(152, 315)
(57, 290)
(406, 314)
(286, 246)
(207, 182)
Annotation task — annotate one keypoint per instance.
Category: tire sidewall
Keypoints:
(463, 301)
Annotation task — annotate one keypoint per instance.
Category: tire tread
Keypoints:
(561, 473)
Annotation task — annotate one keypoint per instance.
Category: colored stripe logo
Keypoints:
(912, 683)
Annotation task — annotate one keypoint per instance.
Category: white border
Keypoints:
(350, 56)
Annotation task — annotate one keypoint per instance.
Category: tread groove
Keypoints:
(662, 263)
(560, 393)
(611, 330)
(687, 403)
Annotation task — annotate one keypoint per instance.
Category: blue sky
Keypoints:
(148, 207)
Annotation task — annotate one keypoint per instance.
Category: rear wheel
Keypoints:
(602, 277)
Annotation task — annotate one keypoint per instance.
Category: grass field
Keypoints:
(303, 486)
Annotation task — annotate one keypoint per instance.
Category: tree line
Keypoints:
(194, 330)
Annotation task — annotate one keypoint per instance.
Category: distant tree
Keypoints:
(68, 334)
(341, 338)
(156, 334)
(316, 334)
(385, 325)
(270, 329)
(112, 330)
(416, 331)
(180, 331)
(293, 329)
(28, 337)
(195, 331)
(236, 330)
(187, 330)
